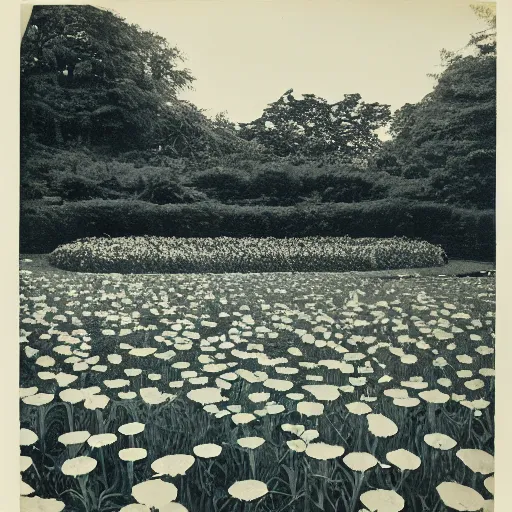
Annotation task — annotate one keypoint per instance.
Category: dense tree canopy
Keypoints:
(450, 136)
(312, 127)
(95, 87)
(90, 79)
(88, 76)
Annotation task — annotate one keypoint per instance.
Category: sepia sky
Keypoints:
(246, 54)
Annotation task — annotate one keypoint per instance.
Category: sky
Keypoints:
(246, 54)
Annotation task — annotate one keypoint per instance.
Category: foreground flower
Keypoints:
(154, 396)
(381, 426)
(25, 463)
(206, 396)
(297, 445)
(324, 392)
(27, 437)
(248, 490)
(243, 418)
(100, 440)
(358, 408)
(79, 466)
(440, 441)
(250, 442)
(133, 454)
(173, 465)
(477, 460)
(404, 459)
(381, 500)
(310, 408)
(131, 429)
(324, 451)
(207, 451)
(155, 493)
(77, 437)
(36, 504)
(360, 461)
(460, 497)
(38, 399)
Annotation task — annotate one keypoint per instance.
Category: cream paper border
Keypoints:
(9, 204)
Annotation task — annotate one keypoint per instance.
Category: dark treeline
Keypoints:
(101, 119)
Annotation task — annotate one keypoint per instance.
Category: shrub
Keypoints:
(342, 185)
(223, 254)
(164, 189)
(415, 170)
(74, 187)
(33, 189)
(281, 185)
(465, 234)
(222, 183)
(468, 180)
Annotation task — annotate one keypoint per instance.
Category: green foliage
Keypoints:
(465, 234)
(313, 127)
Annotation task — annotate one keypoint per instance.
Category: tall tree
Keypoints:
(450, 135)
(88, 76)
(310, 126)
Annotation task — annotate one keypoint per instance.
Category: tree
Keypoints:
(450, 135)
(184, 130)
(312, 127)
(89, 77)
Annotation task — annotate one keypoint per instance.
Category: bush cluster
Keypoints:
(284, 184)
(464, 234)
(233, 179)
(223, 254)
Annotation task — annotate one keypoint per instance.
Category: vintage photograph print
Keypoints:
(257, 256)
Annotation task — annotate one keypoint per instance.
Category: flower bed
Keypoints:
(138, 255)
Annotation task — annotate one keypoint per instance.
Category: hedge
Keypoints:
(464, 234)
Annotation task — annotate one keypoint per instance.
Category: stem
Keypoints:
(42, 433)
(374, 446)
(431, 415)
(252, 463)
(359, 476)
(82, 481)
(69, 409)
(401, 481)
(130, 474)
(102, 461)
(99, 415)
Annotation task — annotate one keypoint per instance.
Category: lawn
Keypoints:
(325, 391)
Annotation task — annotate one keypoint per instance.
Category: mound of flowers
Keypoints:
(139, 255)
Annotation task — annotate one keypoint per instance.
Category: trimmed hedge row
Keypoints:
(463, 234)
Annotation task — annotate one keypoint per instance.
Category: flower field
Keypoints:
(255, 393)
(223, 254)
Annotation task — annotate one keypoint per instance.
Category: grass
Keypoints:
(40, 263)
(328, 317)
